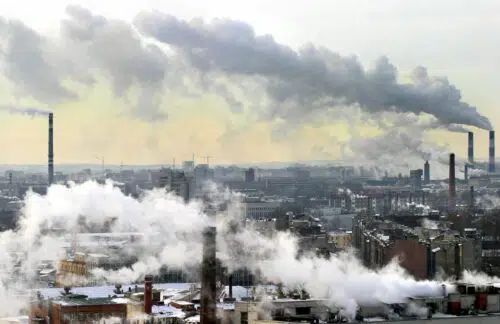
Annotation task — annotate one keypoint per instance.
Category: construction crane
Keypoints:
(207, 159)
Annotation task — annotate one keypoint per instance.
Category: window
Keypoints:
(303, 310)
(244, 318)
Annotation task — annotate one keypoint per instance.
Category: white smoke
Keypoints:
(31, 111)
(346, 191)
(170, 229)
(488, 201)
(342, 279)
(429, 224)
(478, 278)
(172, 232)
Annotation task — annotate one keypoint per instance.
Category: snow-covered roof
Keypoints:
(166, 311)
(105, 291)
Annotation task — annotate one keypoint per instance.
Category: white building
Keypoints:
(260, 209)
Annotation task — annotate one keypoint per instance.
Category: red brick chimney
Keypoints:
(148, 294)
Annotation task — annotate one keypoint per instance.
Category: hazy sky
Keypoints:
(455, 39)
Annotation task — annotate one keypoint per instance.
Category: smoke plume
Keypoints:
(402, 145)
(159, 54)
(31, 111)
(171, 235)
(312, 77)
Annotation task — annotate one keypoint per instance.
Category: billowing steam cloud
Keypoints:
(172, 236)
(161, 53)
(170, 231)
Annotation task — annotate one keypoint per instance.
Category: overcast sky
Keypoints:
(457, 39)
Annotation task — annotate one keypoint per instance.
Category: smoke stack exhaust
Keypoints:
(148, 294)
(51, 148)
(208, 278)
(491, 167)
(470, 152)
(451, 185)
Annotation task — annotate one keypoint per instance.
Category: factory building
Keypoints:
(378, 202)
(422, 252)
(130, 304)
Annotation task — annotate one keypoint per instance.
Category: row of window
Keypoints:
(79, 317)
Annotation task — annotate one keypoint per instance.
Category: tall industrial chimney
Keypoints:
(451, 185)
(471, 197)
(470, 152)
(427, 173)
(148, 294)
(208, 278)
(466, 172)
(51, 148)
(491, 167)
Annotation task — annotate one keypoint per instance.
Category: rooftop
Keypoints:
(65, 301)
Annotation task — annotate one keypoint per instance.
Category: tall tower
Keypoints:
(470, 151)
(491, 167)
(51, 148)
(427, 172)
(452, 193)
(208, 299)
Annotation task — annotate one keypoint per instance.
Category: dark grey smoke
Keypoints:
(224, 57)
(115, 48)
(312, 78)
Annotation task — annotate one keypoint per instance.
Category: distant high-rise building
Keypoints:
(178, 182)
(416, 179)
(250, 175)
(427, 172)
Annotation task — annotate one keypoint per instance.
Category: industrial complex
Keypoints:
(431, 231)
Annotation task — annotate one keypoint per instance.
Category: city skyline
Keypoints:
(100, 123)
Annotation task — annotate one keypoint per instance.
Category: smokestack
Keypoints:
(208, 278)
(458, 261)
(427, 173)
(230, 279)
(51, 148)
(148, 294)
(470, 153)
(451, 185)
(471, 197)
(466, 173)
(491, 167)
